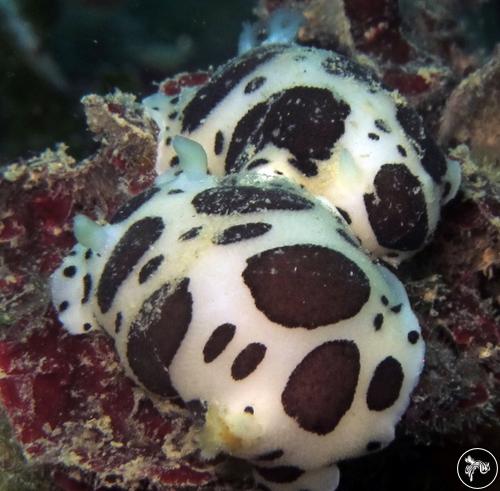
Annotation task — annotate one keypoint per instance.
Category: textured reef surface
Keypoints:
(82, 424)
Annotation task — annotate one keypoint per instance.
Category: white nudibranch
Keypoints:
(326, 123)
(247, 294)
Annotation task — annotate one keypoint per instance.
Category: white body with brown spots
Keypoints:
(253, 298)
(327, 124)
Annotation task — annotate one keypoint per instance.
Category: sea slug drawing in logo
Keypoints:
(474, 465)
(477, 468)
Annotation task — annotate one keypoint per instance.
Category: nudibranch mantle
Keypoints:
(327, 124)
(250, 296)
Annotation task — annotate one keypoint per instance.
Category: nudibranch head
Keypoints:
(248, 294)
(327, 124)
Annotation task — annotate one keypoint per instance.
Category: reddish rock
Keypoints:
(70, 404)
(409, 84)
(375, 27)
(173, 86)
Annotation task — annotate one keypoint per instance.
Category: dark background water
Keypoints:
(52, 52)
(85, 46)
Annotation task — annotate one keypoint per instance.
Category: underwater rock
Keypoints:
(472, 112)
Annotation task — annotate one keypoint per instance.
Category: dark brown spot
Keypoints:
(246, 231)
(197, 408)
(318, 123)
(87, 326)
(373, 136)
(87, 286)
(63, 306)
(118, 322)
(401, 150)
(306, 285)
(131, 247)
(307, 167)
(382, 125)
(432, 158)
(378, 321)
(342, 66)
(174, 161)
(225, 200)
(347, 237)
(222, 82)
(257, 163)
(385, 384)
(191, 233)
(413, 337)
(219, 143)
(372, 446)
(88, 254)
(149, 268)
(254, 84)
(384, 300)
(218, 341)
(344, 214)
(172, 115)
(282, 474)
(175, 191)
(321, 388)
(274, 455)
(157, 333)
(397, 210)
(249, 410)
(69, 271)
(397, 308)
(247, 360)
(132, 205)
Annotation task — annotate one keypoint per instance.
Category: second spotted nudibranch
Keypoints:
(327, 124)
(250, 296)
